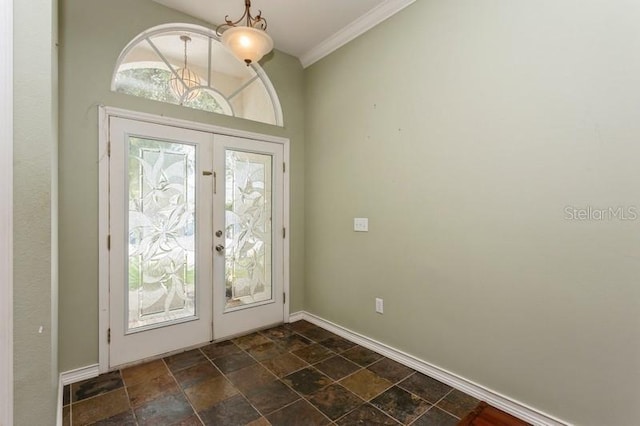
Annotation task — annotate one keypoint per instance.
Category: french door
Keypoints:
(194, 250)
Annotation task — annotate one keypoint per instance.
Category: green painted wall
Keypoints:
(463, 130)
(35, 220)
(93, 33)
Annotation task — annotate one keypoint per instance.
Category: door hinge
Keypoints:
(109, 242)
(109, 336)
(284, 232)
(284, 167)
(215, 183)
(109, 149)
(284, 298)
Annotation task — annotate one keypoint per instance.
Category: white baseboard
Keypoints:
(79, 374)
(504, 403)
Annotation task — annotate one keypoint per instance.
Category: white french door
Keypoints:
(196, 250)
(160, 227)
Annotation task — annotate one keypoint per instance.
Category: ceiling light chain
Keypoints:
(249, 42)
(184, 82)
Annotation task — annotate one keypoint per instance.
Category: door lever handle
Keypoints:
(219, 248)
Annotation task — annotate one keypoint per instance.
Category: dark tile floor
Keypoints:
(294, 374)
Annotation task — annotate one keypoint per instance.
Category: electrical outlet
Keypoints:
(379, 305)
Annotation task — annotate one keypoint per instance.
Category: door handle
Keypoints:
(219, 248)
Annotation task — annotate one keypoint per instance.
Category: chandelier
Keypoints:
(249, 41)
(184, 81)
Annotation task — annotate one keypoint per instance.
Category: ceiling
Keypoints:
(307, 29)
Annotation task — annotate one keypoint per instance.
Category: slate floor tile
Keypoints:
(337, 367)
(317, 334)
(366, 384)
(100, 407)
(302, 325)
(233, 362)
(293, 342)
(271, 397)
(143, 392)
(313, 353)
(210, 392)
(275, 376)
(337, 344)
(250, 341)
(266, 351)
(196, 373)
(307, 381)
(217, 350)
(425, 387)
(166, 410)
(458, 403)
(277, 332)
(250, 377)
(122, 419)
(185, 359)
(143, 372)
(296, 414)
(401, 405)
(96, 386)
(230, 412)
(284, 364)
(367, 415)
(391, 370)
(335, 401)
(436, 417)
(361, 356)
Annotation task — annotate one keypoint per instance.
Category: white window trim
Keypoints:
(105, 113)
(6, 212)
(206, 32)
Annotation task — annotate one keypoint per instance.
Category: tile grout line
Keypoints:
(182, 391)
(301, 397)
(126, 391)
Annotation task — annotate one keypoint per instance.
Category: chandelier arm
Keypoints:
(250, 20)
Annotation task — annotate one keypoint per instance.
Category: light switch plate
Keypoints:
(361, 224)
(379, 305)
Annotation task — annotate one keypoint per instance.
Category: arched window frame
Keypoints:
(206, 32)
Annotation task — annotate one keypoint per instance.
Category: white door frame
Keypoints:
(105, 113)
(6, 212)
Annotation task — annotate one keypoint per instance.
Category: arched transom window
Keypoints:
(153, 66)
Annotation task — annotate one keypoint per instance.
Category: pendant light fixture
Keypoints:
(248, 42)
(183, 82)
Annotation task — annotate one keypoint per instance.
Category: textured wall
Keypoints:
(35, 222)
(92, 35)
(463, 130)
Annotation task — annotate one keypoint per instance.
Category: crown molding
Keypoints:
(356, 28)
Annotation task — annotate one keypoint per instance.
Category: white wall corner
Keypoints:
(356, 28)
(6, 212)
(502, 402)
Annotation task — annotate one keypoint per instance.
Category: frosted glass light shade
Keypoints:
(190, 80)
(248, 44)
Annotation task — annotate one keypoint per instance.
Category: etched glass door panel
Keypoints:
(248, 222)
(160, 292)
(162, 229)
(248, 231)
